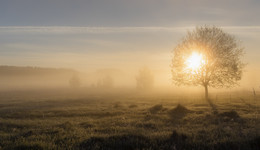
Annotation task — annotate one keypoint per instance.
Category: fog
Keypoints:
(96, 55)
(107, 79)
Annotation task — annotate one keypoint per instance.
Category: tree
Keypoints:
(106, 82)
(208, 57)
(74, 82)
(144, 79)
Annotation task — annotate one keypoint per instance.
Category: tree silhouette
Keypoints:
(144, 79)
(106, 82)
(218, 55)
(74, 81)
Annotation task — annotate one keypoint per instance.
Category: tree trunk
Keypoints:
(214, 108)
(206, 92)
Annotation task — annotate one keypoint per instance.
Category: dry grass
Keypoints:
(123, 122)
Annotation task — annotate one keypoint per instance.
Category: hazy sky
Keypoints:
(123, 34)
(128, 12)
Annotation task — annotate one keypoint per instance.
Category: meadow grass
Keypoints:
(129, 122)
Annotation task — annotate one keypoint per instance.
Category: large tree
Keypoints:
(208, 57)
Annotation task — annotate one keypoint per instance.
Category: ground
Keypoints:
(54, 120)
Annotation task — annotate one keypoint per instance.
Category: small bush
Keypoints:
(230, 116)
(132, 106)
(180, 109)
(117, 105)
(156, 108)
(178, 112)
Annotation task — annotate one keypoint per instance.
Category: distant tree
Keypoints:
(144, 79)
(207, 57)
(106, 82)
(74, 81)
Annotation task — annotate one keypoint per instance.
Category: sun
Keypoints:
(195, 61)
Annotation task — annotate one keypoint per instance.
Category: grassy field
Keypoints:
(54, 120)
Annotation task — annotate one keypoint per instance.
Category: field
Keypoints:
(108, 120)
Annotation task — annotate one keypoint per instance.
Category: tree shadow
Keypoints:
(213, 106)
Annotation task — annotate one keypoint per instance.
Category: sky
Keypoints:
(123, 34)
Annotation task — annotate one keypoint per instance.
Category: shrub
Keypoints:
(156, 108)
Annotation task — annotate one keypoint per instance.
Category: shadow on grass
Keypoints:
(213, 106)
(176, 141)
(129, 142)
